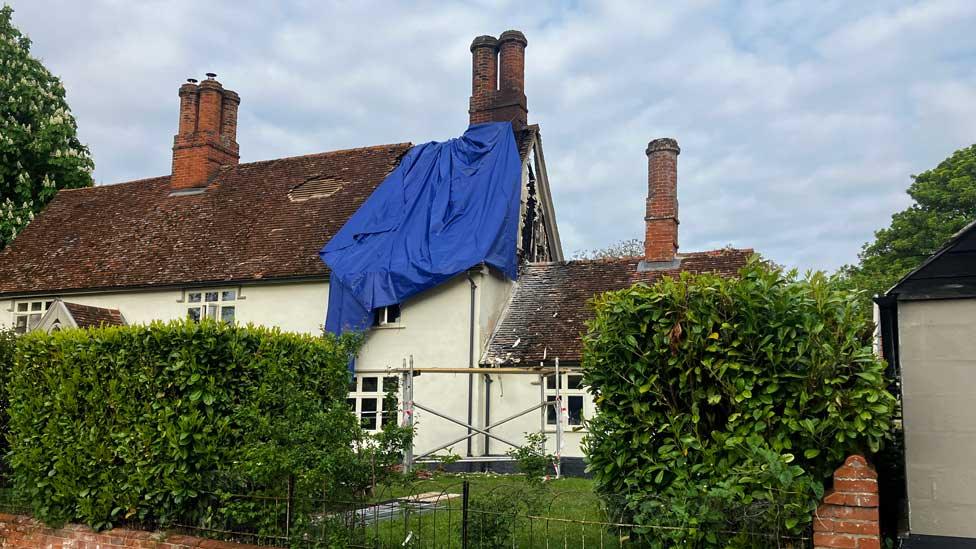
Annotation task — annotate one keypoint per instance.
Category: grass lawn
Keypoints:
(498, 516)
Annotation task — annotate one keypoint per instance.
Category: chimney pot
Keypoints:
(207, 137)
(192, 80)
(498, 79)
(211, 75)
(661, 219)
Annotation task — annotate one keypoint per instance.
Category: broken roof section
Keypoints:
(547, 314)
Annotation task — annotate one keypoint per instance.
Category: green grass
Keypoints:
(496, 518)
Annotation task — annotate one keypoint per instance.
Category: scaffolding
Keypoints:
(407, 374)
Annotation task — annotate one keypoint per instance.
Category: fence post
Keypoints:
(465, 495)
(290, 505)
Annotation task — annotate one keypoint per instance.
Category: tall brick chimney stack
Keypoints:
(498, 79)
(207, 138)
(661, 219)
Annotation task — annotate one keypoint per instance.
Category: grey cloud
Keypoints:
(799, 122)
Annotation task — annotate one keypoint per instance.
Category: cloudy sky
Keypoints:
(800, 123)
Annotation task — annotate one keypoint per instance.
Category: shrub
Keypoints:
(164, 421)
(724, 403)
(531, 458)
(7, 348)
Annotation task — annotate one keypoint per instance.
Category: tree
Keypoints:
(945, 201)
(39, 147)
(624, 248)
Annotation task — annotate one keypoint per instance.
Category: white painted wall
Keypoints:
(434, 329)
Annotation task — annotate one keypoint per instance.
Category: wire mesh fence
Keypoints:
(448, 513)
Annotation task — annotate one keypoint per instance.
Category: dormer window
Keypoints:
(387, 316)
(216, 304)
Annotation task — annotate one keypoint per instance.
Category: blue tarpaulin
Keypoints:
(446, 208)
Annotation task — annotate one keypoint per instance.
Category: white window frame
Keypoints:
(390, 316)
(357, 395)
(586, 407)
(225, 298)
(32, 308)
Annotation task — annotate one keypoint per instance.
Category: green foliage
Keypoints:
(724, 403)
(167, 421)
(7, 349)
(944, 202)
(531, 458)
(39, 148)
(498, 517)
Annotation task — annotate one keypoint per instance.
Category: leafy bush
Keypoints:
(166, 421)
(724, 403)
(7, 349)
(531, 458)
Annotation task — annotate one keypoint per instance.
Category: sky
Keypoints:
(800, 123)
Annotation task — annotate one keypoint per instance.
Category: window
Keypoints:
(217, 304)
(27, 313)
(366, 400)
(385, 316)
(574, 399)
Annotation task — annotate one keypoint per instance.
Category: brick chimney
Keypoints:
(207, 138)
(661, 219)
(498, 79)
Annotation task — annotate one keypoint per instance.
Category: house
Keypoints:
(927, 323)
(239, 243)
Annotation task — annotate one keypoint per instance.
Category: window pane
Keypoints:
(393, 314)
(22, 307)
(210, 311)
(32, 320)
(575, 382)
(370, 384)
(389, 418)
(378, 316)
(21, 326)
(352, 384)
(210, 296)
(36, 306)
(229, 295)
(550, 382)
(352, 404)
(47, 305)
(227, 314)
(550, 411)
(368, 409)
(391, 383)
(194, 297)
(193, 313)
(575, 411)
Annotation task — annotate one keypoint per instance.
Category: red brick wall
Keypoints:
(661, 218)
(848, 517)
(19, 532)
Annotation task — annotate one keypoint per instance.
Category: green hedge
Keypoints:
(7, 349)
(148, 422)
(725, 403)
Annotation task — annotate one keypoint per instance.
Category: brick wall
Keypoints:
(19, 532)
(848, 517)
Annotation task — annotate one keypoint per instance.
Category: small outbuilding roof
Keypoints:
(948, 273)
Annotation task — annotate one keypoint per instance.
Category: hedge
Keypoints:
(723, 404)
(150, 422)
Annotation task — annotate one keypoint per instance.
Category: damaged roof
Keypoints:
(258, 221)
(547, 314)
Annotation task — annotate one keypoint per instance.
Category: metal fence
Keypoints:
(457, 514)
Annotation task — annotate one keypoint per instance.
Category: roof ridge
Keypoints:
(322, 153)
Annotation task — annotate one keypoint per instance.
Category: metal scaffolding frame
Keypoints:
(407, 374)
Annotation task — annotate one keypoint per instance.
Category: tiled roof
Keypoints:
(87, 316)
(551, 302)
(243, 228)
